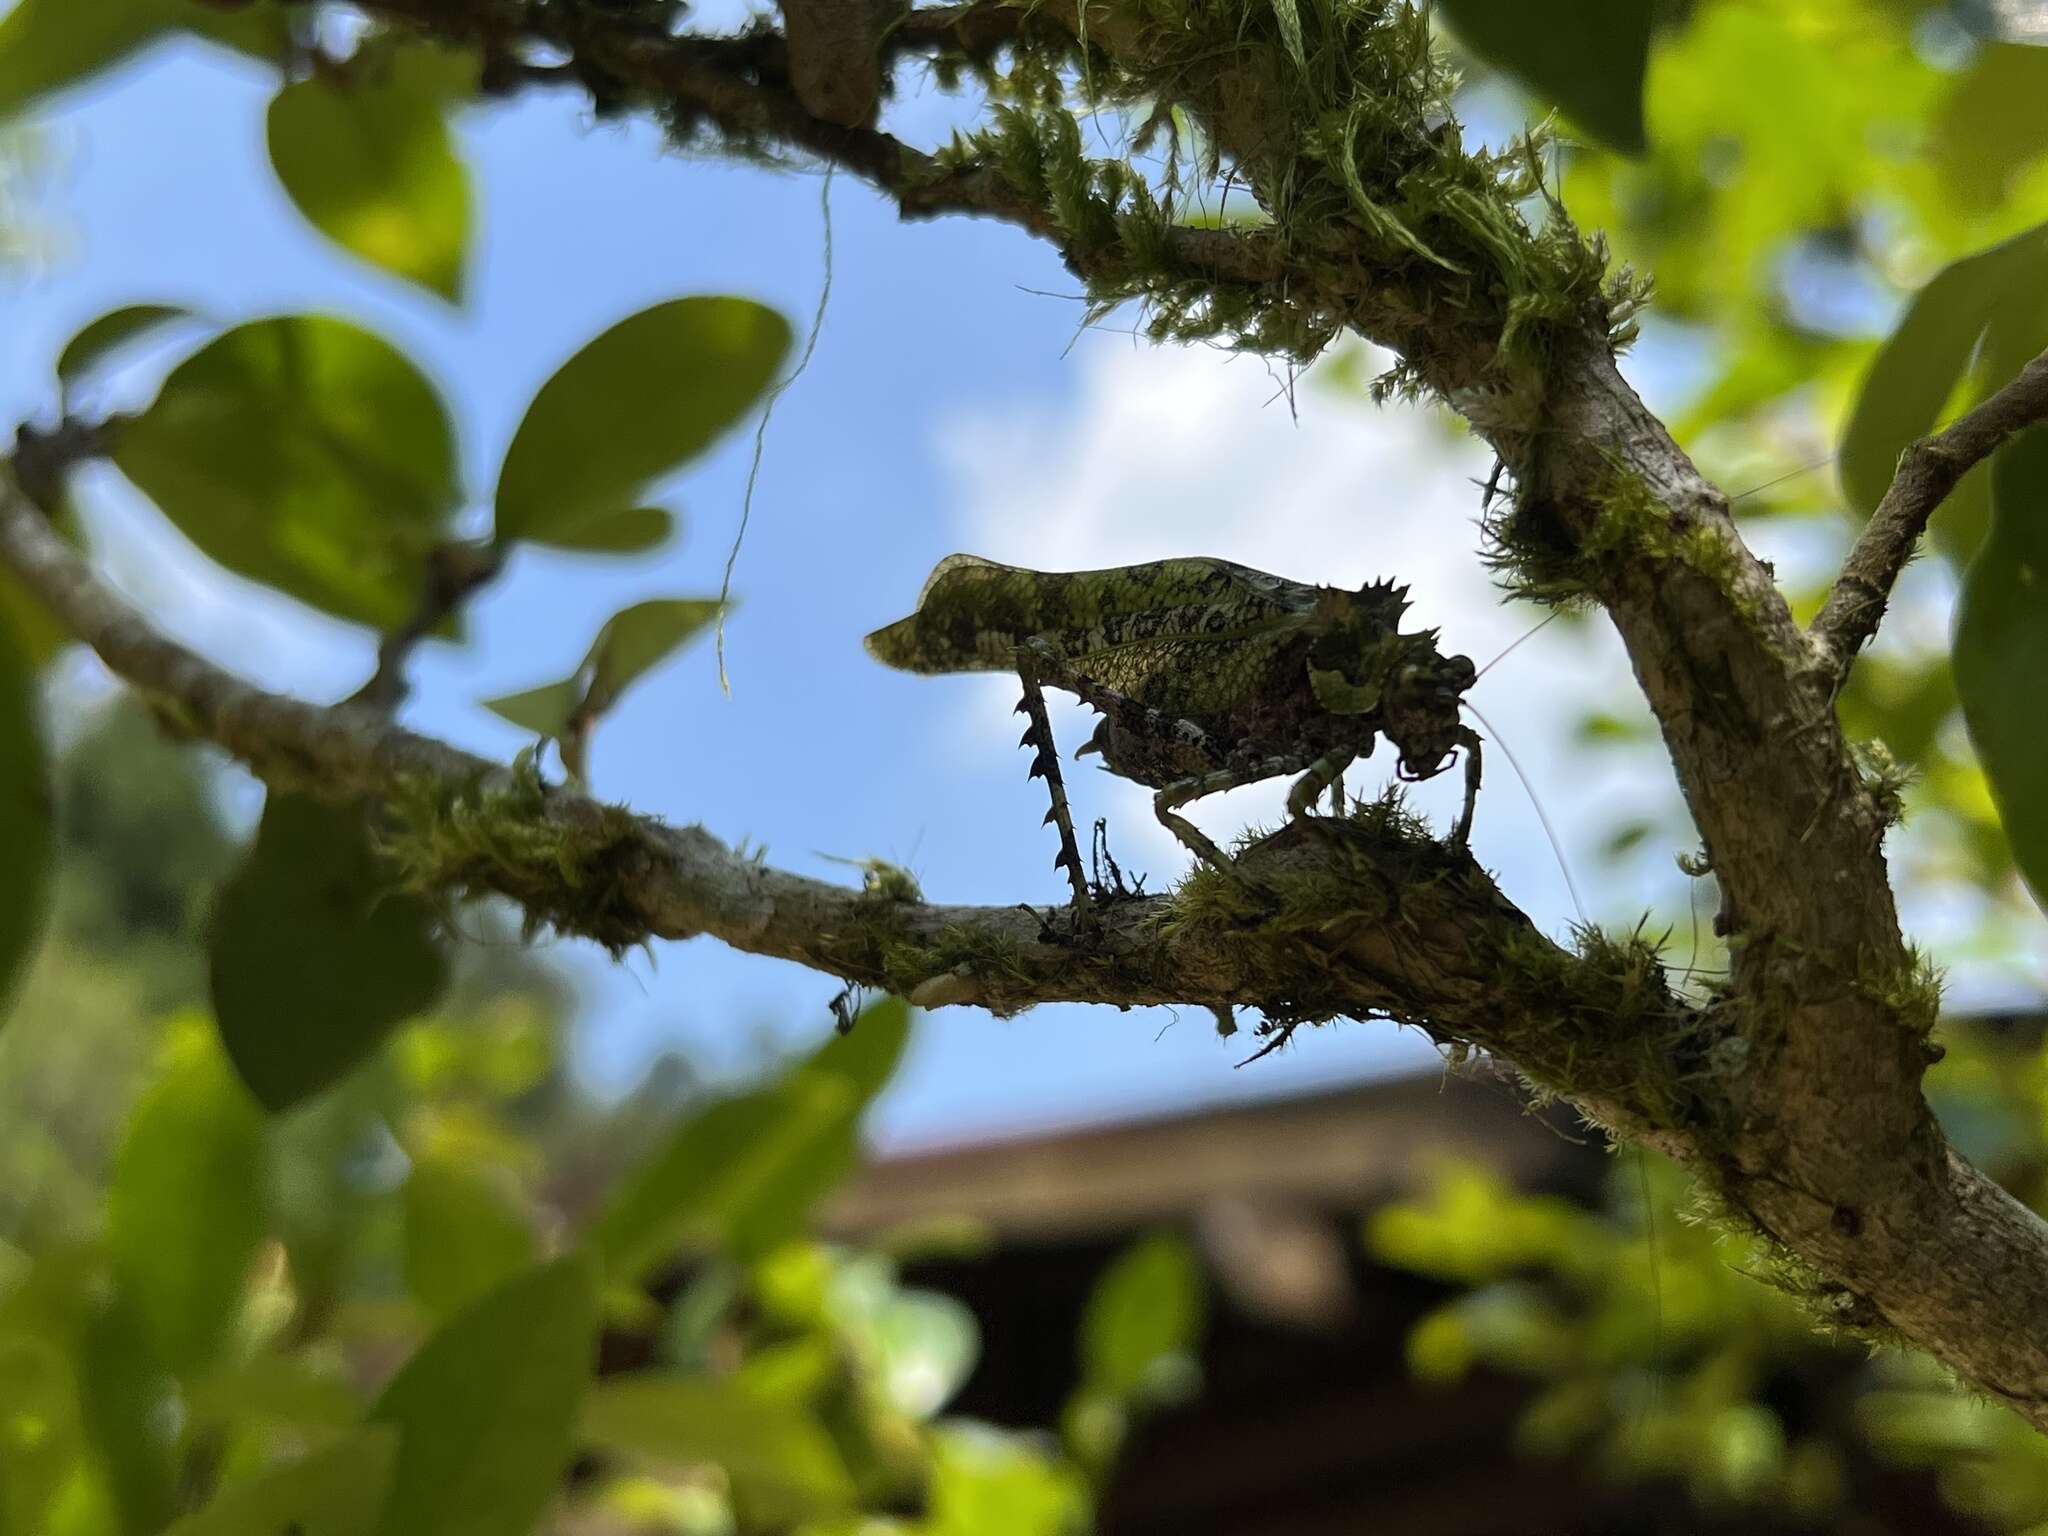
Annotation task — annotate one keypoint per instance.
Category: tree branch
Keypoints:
(1404, 927)
(456, 570)
(1928, 471)
(742, 86)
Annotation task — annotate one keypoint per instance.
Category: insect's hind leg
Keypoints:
(1167, 803)
(1046, 764)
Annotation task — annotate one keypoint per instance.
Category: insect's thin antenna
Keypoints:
(1529, 789)
(1790, 474)
(1526, 635)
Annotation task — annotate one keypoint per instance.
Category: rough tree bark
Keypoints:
(1793, 1092)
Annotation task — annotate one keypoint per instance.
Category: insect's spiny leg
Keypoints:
(1046, 764)
(1121, 707)
(1324, 772)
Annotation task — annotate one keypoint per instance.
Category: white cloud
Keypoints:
(1182, 451)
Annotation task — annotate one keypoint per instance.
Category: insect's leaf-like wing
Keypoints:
(973, 613)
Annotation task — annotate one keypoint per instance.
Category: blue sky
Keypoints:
(951, 404)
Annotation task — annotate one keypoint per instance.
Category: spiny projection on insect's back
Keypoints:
(1208, 675)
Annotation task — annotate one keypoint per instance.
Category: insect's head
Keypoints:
(1361, 663)
(1421, 710)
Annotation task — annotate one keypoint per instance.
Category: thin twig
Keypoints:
(1928, 470)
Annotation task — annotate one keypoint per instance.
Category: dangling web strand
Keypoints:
(761, 432)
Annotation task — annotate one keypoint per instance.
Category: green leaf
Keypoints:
(2001, 651)
(545, 711)
(777, 1455)
(464, 1234)
(25, 810)
(632, 642)
(644, 398)
(637, 639)
(923, 1344)
(988, 1483)
(743, 1174)
(305, 453)
(114, 329)
(128, 1404)
(338, 1490)
(185, 1211)
(301, 1391)
(1919, 370)
(368, 158)
(1144, 1318)
(1588, 56)
(487, 1408)
(1990, 124)
(36, 630)
(47, 46)
(315, 958)
(630, 532)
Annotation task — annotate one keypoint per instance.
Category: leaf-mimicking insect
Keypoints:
(1207, 674)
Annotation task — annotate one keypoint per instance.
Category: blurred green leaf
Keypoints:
(1588, 56)
(305, 453)
(25, 811)
(644, 398)
(337, 1490)
(1918, 371)
(35, 629)
(632, 642)
(185, 1211)
(987, 1483)
(366, 155)
(42, 1315)
(33, 634)
(315, 957)
(925, 1346)
(2001, 650)
(113, 329)
(49, 45)
(545, 711)
(487, 1408)
(639, 638)
(301, 1391)
(742, 1175)
(779, 1458)
(1992, 123)
(129, 1407)
(1144, 1319)
(464, 1234)
(630, 532)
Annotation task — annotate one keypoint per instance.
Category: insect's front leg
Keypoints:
(1169, 800)
(1046, 765)
(1468, 738)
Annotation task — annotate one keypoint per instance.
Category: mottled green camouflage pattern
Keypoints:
(1206, 673)
(1200, 639)
(1187, 637)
